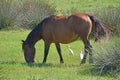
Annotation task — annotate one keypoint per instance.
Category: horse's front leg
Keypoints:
(46, 50)
(59, 52)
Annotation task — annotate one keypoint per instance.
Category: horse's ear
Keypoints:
(23, 41)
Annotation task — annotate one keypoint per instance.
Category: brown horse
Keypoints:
(63, 29)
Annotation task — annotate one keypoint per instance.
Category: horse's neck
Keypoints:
(33, 37)
(35, 34)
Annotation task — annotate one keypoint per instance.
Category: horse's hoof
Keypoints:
(82, 62)
(91, 62)
(61, 62)
(43, 62)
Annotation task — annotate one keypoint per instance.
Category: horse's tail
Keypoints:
(100, 29)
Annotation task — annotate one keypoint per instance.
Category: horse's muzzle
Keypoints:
(31, 60)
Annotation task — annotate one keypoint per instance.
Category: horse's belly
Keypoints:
(65, 38)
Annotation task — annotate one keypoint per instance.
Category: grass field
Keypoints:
(13, 66)
(12, 63)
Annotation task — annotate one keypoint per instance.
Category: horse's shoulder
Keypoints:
(57, 18)
(79, 15)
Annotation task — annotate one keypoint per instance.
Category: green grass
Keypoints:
(12, 63)
(13, 66)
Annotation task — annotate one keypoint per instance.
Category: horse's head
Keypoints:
(29, 51)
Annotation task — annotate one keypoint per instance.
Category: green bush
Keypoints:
(33, 12)
(23, 13)
(107, 57)
(110, 16)
(7, 15)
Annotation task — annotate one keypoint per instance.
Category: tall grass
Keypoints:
(110, 16)
(23, 13)
(7, 14)
(33, 12)
(108, 57)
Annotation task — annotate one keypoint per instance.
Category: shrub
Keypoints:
(23, 13)
(7, 14)
(33, 12)
(108, 57)
(109, 16)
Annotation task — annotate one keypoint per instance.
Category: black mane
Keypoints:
(35, 34)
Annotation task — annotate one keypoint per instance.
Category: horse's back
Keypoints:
(65, 29)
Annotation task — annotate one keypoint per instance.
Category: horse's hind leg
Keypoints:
(59, 52)
(88, 49)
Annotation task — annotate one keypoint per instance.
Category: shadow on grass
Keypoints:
(85, 69)
(39, 64)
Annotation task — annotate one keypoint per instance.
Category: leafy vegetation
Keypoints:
(107, 57)
(23, 13)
